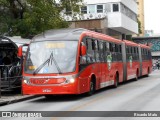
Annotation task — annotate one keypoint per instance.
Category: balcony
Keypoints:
(122, 23)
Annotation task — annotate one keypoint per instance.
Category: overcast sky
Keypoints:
(152, 15)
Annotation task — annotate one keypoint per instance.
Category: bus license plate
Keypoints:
(47, 90)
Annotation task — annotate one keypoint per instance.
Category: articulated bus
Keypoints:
(76, 61)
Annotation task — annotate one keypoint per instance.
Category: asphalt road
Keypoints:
(141, 95)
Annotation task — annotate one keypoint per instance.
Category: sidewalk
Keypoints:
(13, 97)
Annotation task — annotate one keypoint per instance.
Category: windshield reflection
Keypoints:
(63, 57)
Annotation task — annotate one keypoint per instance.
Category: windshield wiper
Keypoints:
(49, 60)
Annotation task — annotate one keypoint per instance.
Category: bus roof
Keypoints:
(71, 34)
(16, 40)
(104, 37)
(62, 34)
(145, 46)
(130, 43)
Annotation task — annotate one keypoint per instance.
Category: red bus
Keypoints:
(76, 61)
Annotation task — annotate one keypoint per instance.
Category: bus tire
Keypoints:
(116, 81)
(148, 72)
(136, 78)
(92, 86)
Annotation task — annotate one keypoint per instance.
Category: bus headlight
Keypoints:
(26, 81)
(72, 80)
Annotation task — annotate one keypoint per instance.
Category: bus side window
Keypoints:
(116, 48)
(83, 59)
(133, 55)
(120, 53)
(129, 50)
(97, 55)
(110, 47)
(93, 45)
(116, 52)
(107, 46)
(105, 51)
(90, 51)
(142, 54)
(120, 48)
(98, 45)
(101, 51)
(129, 53)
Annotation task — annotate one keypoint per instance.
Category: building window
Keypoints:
(99, 8)
(68, 11)
(126, 11)
(115, 7)
(91, 9)
(84, 9)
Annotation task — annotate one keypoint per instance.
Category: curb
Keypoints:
(17, 100)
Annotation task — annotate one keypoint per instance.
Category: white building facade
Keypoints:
(121, 15)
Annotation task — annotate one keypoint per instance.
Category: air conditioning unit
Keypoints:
(67, 18)
(99, 16)
(90, 16)
(82, 17)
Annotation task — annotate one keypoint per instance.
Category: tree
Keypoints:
(29, 17)
(139, 27)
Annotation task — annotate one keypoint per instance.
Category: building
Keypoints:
(148, 33)
(140, 4)
(117, 18)
(153, 41)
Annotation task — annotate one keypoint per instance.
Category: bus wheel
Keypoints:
(147, 73)
(116, 81)
(136, 78)
(92, 87)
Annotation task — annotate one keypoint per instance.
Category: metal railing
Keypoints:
(10, 76)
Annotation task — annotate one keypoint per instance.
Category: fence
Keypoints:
(10, 76)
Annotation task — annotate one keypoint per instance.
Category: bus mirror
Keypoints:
(19, 51)
(83, 50)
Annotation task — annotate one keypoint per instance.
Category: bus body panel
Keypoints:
(116, 69)
(49, 89)
(132, 69)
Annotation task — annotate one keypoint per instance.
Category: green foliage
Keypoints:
(139, 27)
(30, 17)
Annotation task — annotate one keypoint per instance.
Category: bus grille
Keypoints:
(47, 81)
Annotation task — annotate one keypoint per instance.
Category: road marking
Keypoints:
(82, 105)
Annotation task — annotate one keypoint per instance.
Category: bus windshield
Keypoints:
(51, 57)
